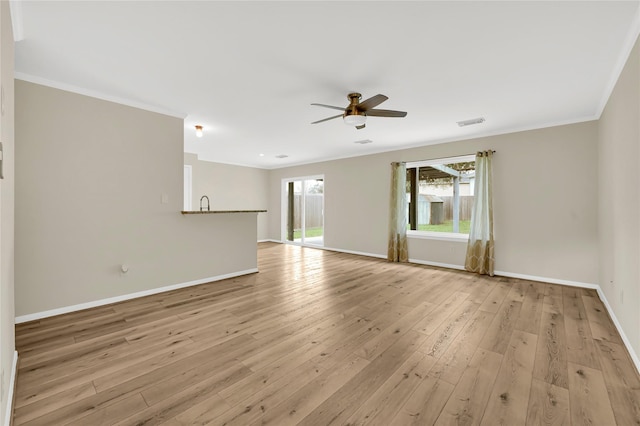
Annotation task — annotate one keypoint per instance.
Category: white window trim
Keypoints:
(443, 236)
(458, 159)
(431, 235)
(283, 207)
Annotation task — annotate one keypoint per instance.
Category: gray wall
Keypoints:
(90, 176)
(619, 201)
(231, 187)
(7, 341)
(545, 202)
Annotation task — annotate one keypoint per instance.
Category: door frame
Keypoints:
(284, 208)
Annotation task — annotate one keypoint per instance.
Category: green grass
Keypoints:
(310, 232)
(447, 226)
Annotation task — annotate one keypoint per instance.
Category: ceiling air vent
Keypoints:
(364, 141)
(281, 156)
(470, 122)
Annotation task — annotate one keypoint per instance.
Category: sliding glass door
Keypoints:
(303, 210)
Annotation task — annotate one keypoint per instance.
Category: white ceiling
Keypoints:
(248, 71)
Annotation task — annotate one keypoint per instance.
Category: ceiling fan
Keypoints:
(355, 114)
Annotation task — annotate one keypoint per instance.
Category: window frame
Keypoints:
(284, 209)
(434, 235)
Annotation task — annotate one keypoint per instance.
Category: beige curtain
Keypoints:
(397, 251)
(480, 256)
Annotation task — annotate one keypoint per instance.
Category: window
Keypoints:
(440, 196)
(303, 210)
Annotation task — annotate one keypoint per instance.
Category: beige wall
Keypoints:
(619, 202)
(545, 202)
(231, 188)
(7, 345)
(90, 176)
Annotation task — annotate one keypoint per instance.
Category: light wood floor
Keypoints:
(320, 338)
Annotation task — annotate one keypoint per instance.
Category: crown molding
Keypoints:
(627, 47)
(15, 6)
(96, 94)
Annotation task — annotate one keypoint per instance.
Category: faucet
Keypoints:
(201, 198)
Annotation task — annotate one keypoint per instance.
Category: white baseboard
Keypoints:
(547, 280)
(110, 300)
(359, 253)
(269, 240)
(625, 339)
(512, 275)
(11, 390)
(437, 264)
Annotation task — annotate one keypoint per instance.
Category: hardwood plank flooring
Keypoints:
(510, 396)
(548, 405)
(324, 338)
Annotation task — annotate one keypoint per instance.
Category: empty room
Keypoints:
(320, 213)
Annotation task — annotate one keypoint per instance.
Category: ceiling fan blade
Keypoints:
(385, 113)
(330, 106)
(327, 119)
(372, 102)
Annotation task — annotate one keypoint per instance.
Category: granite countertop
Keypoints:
(221, 211)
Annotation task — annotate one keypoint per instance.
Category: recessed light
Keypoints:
(471, 121)
(364, 141)
(261, 155)
(281, 156)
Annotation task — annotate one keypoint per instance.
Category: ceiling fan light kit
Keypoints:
(355, 114)
(355, 120)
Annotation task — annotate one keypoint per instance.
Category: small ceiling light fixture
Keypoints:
(199, 131)
(470, 122)
(355, 119)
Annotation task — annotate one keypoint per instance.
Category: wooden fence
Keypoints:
(466, 204)
(313, 210)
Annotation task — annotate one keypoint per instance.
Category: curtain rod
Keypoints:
(441, 158)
